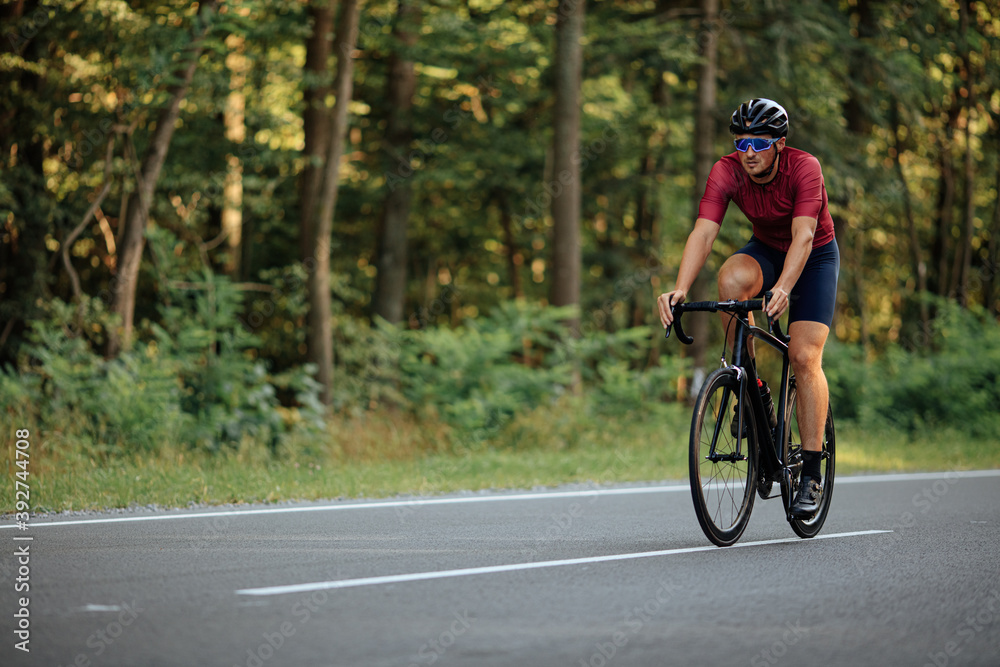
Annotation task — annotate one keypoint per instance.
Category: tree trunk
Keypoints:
(704, 121)
(235, 124)
(644, 194)
(134, 239)
(990, 301)
(320, 316)
(963, 255)
(662, 99)
(23, 274)
(647, 187)
(315, 117)
(916, 254)
(390, 282)
(704, 158)
(945, 203)
(514, 256)
(565, 184)
(860, 69)
(647, 192)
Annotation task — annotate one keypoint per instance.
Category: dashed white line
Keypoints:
(496, 569)
(100, 607)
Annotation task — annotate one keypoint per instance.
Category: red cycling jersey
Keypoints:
(796, 190)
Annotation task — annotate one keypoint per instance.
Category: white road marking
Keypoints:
(415, 502)
(917, 476)
(101, 607)
(500, 497)
(495, 569)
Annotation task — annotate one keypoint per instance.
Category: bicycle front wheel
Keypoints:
(722, 465)
(793, 454)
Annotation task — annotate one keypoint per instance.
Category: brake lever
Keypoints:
(770, 323)
(774, 326)
(666, 329)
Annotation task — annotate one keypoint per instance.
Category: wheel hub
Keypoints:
(726, 458)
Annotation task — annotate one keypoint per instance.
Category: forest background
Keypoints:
(276, 248)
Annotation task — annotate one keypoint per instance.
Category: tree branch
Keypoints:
(71, 239)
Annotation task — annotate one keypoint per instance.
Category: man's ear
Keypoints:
(780, 144)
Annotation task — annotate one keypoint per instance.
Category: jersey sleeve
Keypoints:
(718, 193)
(808, 189)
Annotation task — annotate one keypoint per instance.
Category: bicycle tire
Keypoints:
(723, 491)
(792, 447)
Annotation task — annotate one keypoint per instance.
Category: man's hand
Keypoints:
(778, 304)
(666, 302)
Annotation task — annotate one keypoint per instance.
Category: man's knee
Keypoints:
(806, 359)
(730, 287)
(739, 279)
(805, 352)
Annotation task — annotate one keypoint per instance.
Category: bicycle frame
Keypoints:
(769, 442)
(772, 452)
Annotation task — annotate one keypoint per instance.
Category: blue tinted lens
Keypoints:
(758, 143)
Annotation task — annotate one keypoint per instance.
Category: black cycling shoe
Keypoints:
(806, 502)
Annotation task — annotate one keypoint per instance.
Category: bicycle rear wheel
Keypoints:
(793, 455)
(723, 468)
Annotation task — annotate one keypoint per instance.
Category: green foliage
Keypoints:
(223, 388)
(195, 381)
(276, 314)
(366, 365)
(126, 405)
(955, 386)
(481, 376)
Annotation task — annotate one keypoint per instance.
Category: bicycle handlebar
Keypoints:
(737, 307)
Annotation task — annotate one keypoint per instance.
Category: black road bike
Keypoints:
(735, 454)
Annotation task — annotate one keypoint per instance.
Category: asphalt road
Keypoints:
(576, 577)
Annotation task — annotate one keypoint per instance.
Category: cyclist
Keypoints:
(792, 252)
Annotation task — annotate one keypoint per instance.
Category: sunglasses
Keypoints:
(758, 144)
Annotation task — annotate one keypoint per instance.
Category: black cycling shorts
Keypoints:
(814, 297)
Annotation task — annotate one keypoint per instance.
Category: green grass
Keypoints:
(387, 455)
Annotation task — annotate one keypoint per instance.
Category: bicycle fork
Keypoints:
(737, 455)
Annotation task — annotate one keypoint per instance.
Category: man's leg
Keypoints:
(805, 352)
(740, 278)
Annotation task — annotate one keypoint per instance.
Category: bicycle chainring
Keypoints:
(764, 486)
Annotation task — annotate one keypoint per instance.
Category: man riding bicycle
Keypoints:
(793, 253)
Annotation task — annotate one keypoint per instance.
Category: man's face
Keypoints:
(755, 164)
